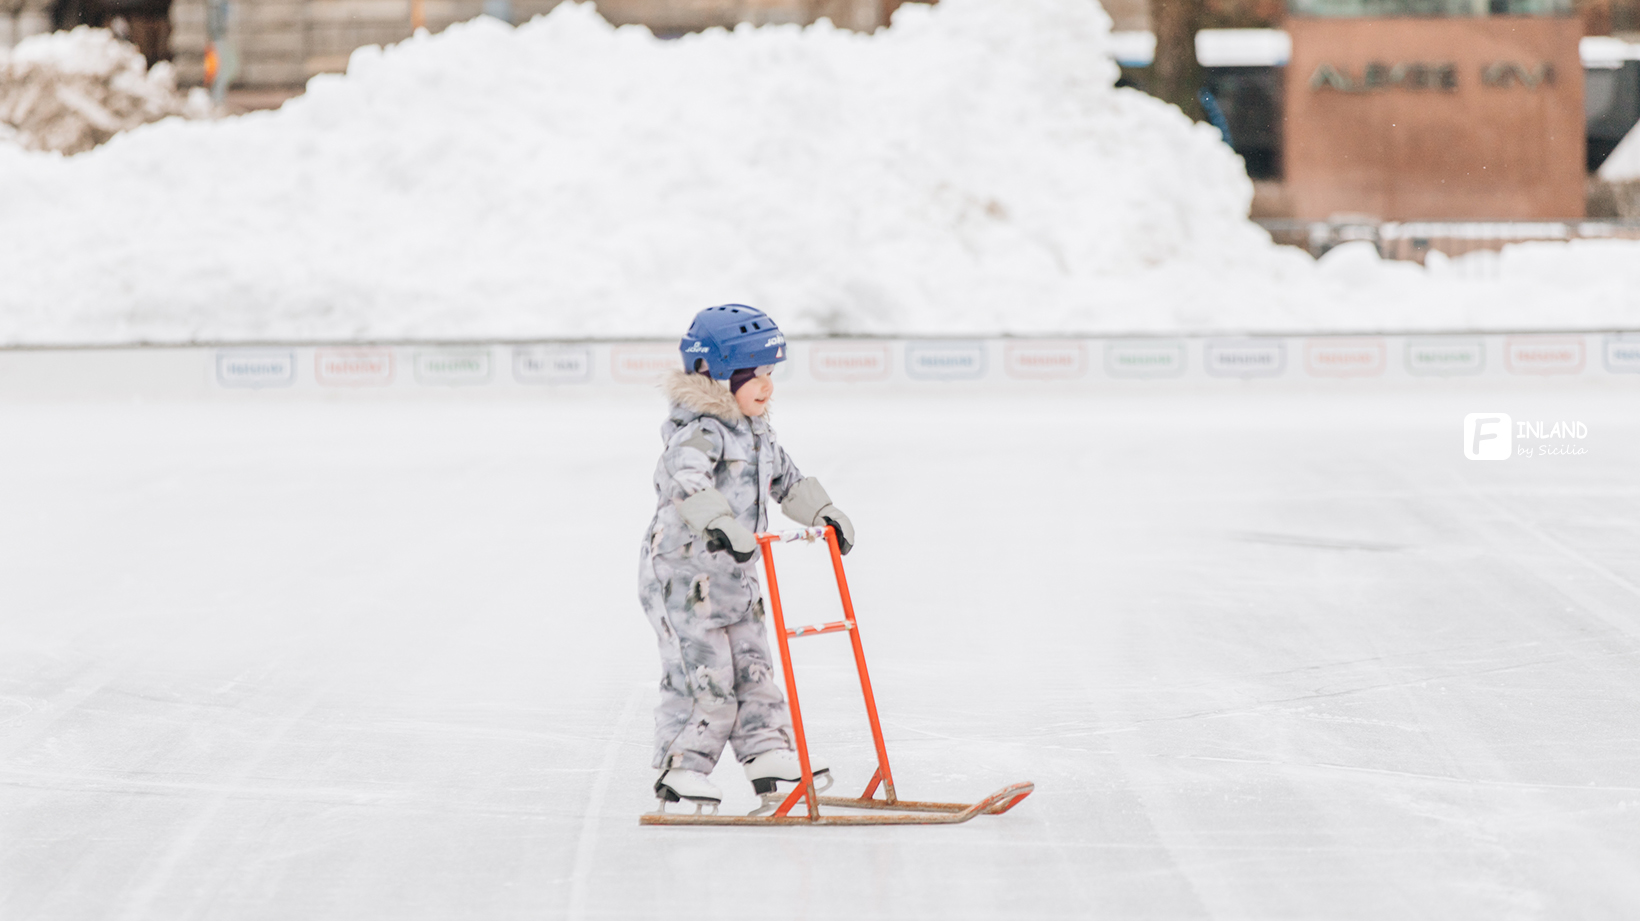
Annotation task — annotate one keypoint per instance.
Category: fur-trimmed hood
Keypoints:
(701, 394)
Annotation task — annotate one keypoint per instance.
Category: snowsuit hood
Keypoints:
(701, 394)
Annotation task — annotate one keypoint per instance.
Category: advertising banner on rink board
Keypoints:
(1045, 360)
(849, 361)
(550, 364)
(1345, 357)
(453, 367)
(637, 363)
(822, 362)
(361, 367)
(1623, 354)
(1543, 354)
(1445, 357)
(253, 368)
(945, 361)
(1245, 357)
(1144, 358)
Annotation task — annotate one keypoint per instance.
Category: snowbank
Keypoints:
(970, 170)
(70, 91)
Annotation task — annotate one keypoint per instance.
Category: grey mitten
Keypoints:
(807, 503)
(708, 514)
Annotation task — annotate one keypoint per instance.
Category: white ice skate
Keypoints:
(690, 786)
(766, 771)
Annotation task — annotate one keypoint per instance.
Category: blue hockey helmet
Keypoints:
(726, 338)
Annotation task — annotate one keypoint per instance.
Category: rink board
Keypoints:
(531, 368)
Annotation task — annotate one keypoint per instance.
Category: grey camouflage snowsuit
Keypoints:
(717, 678)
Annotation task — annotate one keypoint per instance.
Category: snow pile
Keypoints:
(970, 170)
(70, 91)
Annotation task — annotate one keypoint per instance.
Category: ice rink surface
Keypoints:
(1266, 654)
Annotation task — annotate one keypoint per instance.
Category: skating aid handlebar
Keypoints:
(808, 534)
(805, 790)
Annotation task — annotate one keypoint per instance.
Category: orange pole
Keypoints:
(766, 541)
(883, 774)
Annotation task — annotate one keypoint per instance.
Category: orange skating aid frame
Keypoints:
(887, 810)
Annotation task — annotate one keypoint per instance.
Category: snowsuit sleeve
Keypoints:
(786, 475)
(692, 455)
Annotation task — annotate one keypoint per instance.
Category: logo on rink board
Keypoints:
(545, 364)
(1430, 357)
(1245, 357)
(1622, 355)
(255, 368)
(1543, 355)
(846, 362)
(642, 364)
(945, 361)
(1045, 361)
(453, 367)
(1344, 357)
(1157, 358)
(353, 367)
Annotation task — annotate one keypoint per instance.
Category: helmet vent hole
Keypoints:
(756, 326)
(743, 329)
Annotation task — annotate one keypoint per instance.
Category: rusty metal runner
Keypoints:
(888, 810)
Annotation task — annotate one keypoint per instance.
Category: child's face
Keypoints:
(753, 396)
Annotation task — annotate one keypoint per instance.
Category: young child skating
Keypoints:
(697, 576)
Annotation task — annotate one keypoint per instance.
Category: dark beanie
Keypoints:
(740, 378)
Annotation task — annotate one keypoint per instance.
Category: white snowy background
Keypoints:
(970, 170)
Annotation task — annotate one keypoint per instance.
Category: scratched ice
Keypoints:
(1266, 655)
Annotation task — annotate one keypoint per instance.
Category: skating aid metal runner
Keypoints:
(890, 809)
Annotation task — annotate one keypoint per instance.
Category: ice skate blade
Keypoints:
(699, 804)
